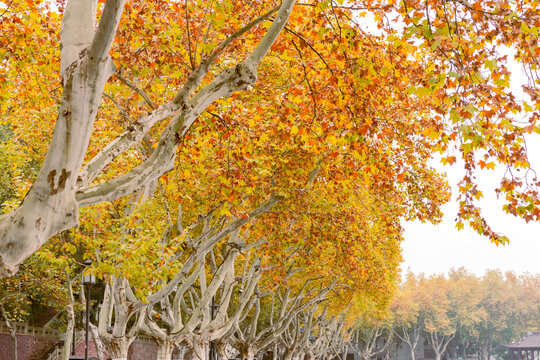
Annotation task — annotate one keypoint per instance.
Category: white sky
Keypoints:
(435, 249)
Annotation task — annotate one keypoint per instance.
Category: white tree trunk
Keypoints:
(248, 353)
(70, 321)
(68, 341)
(165, 350)
(118, 350)
(439, 343)
(413, 353)
(100, 347)
(199, 351)
(50, 206)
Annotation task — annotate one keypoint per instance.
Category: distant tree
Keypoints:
(406, 311)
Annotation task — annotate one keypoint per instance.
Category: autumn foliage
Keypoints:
(337, 127)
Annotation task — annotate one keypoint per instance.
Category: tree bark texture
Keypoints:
(62, 185)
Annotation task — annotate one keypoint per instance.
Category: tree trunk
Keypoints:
(50, 206)
(291, 356)
(275, 354)
(221, 350)
(490, 348)
(413, 352)
(165, 350)
(11, 332)
(118, 348)
(100, 348)
(484, 351)
(182, 351)
(15, 348)
(69, 332)
(248, 354)
(199, 351)
(70, 320)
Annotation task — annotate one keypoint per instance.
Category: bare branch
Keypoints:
(135, 88)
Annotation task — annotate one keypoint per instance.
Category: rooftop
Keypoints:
(529, 341)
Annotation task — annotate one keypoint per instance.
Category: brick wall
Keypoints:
(34, 348)
(139, 349)
(29, 347)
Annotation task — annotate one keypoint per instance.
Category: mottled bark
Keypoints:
(199, 351)
(62, 186)
(68, 341)
(165, 350)
(115, 300)
(100, 347)
(50, 206)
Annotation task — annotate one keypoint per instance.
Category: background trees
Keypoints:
(466, 315)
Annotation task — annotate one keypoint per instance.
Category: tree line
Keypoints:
(259, 155)
(230, 305)
(456, 316)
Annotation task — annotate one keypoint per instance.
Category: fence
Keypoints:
(25, 329)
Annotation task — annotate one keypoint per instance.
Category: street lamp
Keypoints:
(88, 280)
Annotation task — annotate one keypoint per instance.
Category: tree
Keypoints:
(439, 320)
(466, 303)
(51, 205)
(373, 332)
(187, 317)
(283, 324)
(185, 263)
(360, 148)
(405, 309)
(511, 307)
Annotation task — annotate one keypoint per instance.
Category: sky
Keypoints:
(435, 249)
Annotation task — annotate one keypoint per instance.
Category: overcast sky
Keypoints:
(434, 249)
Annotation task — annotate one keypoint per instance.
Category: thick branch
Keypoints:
(106, 31)
(162, 160)
(77, 31)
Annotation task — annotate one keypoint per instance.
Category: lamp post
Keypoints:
(88, 280)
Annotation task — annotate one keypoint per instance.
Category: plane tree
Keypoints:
(182, 71)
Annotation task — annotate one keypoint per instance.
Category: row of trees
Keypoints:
(202, 170)
(228, 303)
(223, 294)
(460, 315)
(221, 150)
